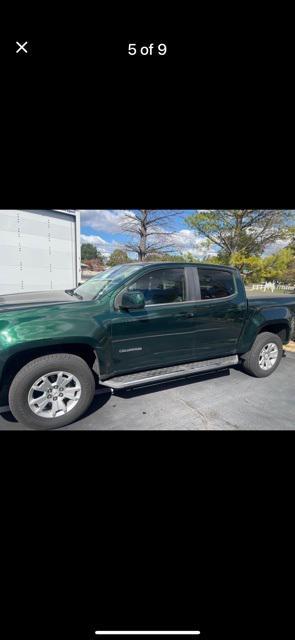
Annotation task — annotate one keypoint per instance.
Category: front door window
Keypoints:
(162, 286)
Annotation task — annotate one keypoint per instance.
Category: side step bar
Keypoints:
(157, 375)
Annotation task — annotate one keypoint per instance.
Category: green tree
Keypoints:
(100, 258)
(246, 231)
(291, 237)
(94, 262)
(164, 257)
(289, 275)
(277, 266)
(188, 257)
(118, 257)
(88, 251)
(251, 267)
(212, 260)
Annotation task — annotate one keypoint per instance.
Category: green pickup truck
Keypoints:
(131, 325)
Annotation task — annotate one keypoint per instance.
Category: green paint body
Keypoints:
(134, 340)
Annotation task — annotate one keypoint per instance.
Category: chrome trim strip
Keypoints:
(210, 300)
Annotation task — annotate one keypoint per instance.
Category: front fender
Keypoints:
(47, 326)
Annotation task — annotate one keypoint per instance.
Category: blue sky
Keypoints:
(102, 228)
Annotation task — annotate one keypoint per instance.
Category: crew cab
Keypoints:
(130, 325)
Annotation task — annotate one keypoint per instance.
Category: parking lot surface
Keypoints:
(229, 400)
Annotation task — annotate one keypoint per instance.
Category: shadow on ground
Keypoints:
(104, 395)
(172, 384)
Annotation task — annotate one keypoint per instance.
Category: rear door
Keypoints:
(161, 333)
(219, 313)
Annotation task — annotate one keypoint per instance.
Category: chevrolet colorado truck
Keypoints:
(130, 325)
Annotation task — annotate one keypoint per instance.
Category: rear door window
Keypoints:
(216, 283)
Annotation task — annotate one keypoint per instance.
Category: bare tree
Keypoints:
(149, 231)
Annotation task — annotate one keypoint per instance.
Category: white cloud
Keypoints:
(106, 248)
(97, 240)
(276, 246)
(187, 240)
(103, 219)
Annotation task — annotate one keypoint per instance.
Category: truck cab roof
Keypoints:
(183, 264)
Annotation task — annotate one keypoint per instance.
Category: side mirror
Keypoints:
(132, 300)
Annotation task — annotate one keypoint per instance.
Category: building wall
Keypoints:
(39, 250)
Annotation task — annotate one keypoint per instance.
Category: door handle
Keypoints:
(187, 314)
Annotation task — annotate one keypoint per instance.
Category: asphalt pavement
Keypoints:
(229, 399)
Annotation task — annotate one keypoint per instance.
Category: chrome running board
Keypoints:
(157, 375)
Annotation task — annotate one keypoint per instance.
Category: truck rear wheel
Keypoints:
(51, 391)
(264, 356)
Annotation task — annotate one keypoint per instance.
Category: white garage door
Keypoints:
(37, 250)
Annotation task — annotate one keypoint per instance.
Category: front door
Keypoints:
(162, 333)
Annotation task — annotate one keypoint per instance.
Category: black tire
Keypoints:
(25, 378)
(251, 359)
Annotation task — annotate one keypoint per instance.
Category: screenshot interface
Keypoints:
(147, 355)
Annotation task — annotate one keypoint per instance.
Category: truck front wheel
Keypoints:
(264, 356)
(51, 391)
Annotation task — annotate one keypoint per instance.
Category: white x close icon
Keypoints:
(21, 47)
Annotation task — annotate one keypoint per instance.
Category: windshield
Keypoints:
(100, 284)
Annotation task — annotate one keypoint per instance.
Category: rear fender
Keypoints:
(264, 320)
